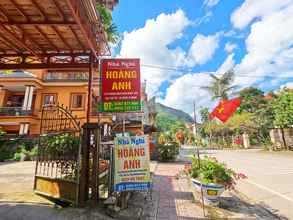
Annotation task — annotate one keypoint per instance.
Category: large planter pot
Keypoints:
(211, 191)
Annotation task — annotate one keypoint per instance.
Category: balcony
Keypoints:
(66, 77)
(14, 111)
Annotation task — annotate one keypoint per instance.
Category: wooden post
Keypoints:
(83, 190)
(89, 95)
(94, 173)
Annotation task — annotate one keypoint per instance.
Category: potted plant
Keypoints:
(212, 177)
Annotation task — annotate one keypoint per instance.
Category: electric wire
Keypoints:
(190, 70)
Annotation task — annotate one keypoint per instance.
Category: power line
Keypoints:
(189, 70)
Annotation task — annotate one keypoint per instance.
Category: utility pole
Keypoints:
(194, 119)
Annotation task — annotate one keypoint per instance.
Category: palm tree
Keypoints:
(221, 86)
(109, 27)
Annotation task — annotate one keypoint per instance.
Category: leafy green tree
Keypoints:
(164, 122)
(221, 86)
(251, 99)
(283, 111)
(109, 26)
(263, 119)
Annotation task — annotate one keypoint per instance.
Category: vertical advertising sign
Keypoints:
(120, 85)
(132, 164)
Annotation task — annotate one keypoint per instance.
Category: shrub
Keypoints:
(168, 151)
(33, 153)
(61, 143)
(5, 153)
(17, 156)
(209, 170)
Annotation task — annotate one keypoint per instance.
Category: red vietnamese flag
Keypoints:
(225, 109)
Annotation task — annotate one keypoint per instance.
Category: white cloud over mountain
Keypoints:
(186, 89)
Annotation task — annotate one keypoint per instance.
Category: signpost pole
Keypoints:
(123, 125)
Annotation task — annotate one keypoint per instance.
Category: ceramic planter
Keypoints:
(211, 191)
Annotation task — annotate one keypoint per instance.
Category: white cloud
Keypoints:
(204, 19)
(252, 9)
(211, 3)
(186, 89)
(230, 47)
(269, 44)
(150, 44)
(202, 49)
(228, 64)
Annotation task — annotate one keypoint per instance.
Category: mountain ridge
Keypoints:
(185, 117)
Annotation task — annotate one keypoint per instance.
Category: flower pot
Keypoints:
(211, 191)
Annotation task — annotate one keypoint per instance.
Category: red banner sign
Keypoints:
(120, 85)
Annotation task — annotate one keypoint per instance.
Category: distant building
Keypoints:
(22, 95)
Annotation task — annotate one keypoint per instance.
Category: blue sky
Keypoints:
(196, 37)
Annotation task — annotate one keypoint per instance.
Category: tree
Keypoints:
(283, 111)
(221, 86)
(251, 99)
(164, 122)
(109, 26)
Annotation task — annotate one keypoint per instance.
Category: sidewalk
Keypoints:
(171, 197)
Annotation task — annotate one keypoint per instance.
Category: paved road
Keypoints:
(270, 177)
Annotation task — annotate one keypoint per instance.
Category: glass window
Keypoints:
(49, 99)
(77, 100)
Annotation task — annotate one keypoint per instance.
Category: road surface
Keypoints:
(270, 176)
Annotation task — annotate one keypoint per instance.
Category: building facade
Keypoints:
(22, 95)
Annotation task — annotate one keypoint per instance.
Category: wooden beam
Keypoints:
(76, 37)
(8, 44)
(2, 12)
(61, 37)
(23, 31)
(44, 36)
(59, 66)
(89, 36)
(75, 54)
(59, 11)
(19, 10)
(17, 40)
(41, 11)
(30, 39)
(45, 23)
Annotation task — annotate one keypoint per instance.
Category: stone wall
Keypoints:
(276, 136)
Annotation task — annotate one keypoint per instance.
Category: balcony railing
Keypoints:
(65, 77)
(14, 111)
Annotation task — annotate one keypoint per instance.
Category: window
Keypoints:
(49, 99)
(77, 101)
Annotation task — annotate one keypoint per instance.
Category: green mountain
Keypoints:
(167, 117)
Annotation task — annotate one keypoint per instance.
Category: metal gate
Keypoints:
(57, 166)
